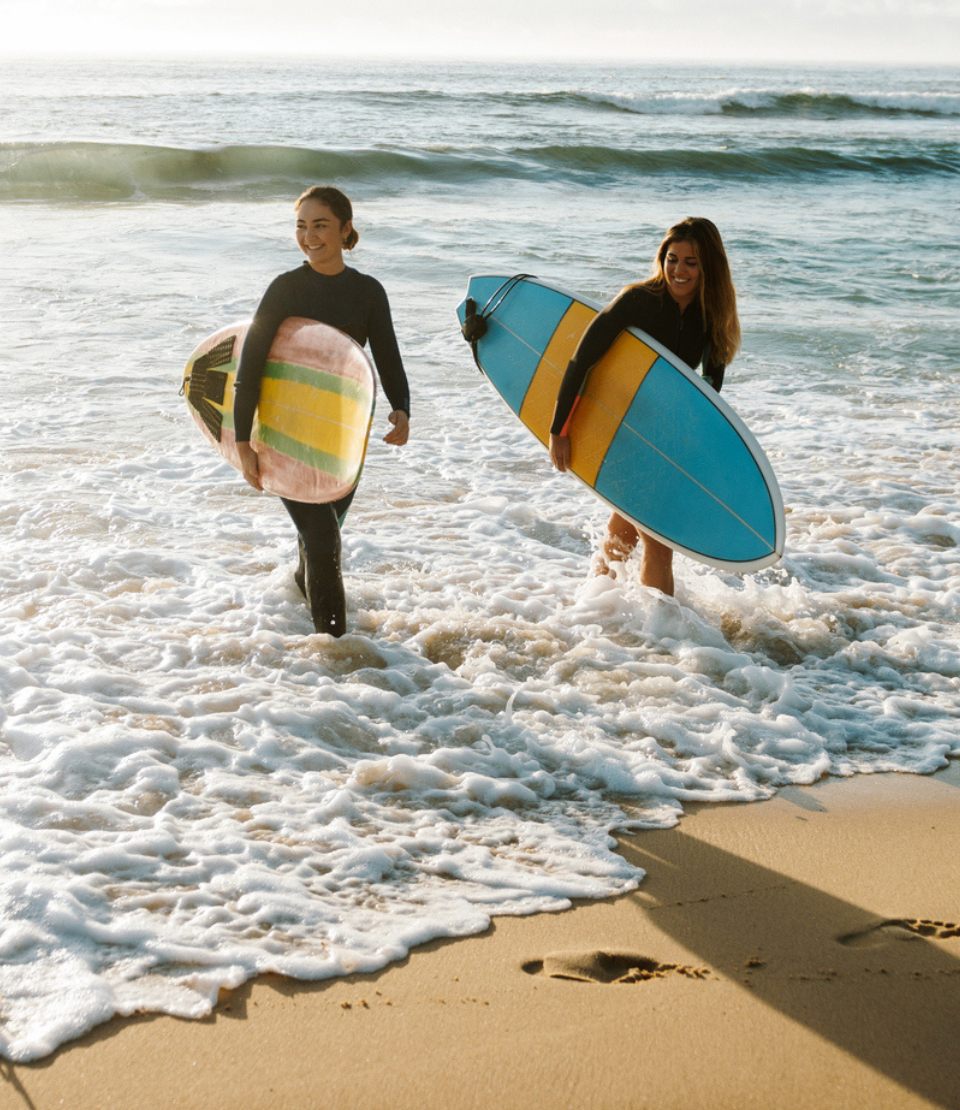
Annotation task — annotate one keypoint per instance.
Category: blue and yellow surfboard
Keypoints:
(649, 436)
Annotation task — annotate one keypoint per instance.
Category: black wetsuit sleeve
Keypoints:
(269, 316)
(354, 303)
(713, 372)
(599, 337)
(682, 333)
(386, 352)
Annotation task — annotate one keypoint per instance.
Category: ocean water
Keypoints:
(194, 787)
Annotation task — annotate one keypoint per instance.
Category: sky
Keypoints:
(865, 31)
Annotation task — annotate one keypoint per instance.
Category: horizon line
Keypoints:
(244, 55)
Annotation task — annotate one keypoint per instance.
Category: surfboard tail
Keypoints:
(208, 385)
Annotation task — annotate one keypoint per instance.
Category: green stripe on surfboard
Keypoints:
(311, 456)
(318, 379)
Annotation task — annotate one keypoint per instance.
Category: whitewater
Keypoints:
(195, 788)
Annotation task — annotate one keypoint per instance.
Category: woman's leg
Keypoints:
(656, 567)
(618, 544)
(340, 508)
(318, 575)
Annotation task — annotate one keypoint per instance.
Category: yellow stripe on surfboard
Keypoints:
(285, 406)
(541, 396)
(616, 379)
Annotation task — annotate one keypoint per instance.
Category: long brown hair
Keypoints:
(338, 203)
(717, 296)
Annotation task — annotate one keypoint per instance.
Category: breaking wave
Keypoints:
(119, 171)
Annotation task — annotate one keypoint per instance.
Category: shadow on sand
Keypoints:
(868, 985)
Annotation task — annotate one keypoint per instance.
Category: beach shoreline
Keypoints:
(197, 786)
(802, 952)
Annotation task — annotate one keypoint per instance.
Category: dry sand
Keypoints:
(797, 953)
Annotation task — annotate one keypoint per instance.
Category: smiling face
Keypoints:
(320, 236)
(681, 271)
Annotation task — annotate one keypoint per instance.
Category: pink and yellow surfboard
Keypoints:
(316, 406)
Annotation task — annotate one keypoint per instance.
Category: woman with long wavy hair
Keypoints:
(689, 305)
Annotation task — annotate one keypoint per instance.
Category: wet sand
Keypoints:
(801, 953)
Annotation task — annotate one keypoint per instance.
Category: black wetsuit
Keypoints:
(357, 305)
(683, 333)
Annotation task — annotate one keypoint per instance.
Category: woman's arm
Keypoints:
(560, 451)
(713, 372)
(400, 432)
(249, 463)
(386, 356)
(599, 337)
(267, 319)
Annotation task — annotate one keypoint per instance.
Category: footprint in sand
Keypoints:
(900, 928)
(608, 967)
